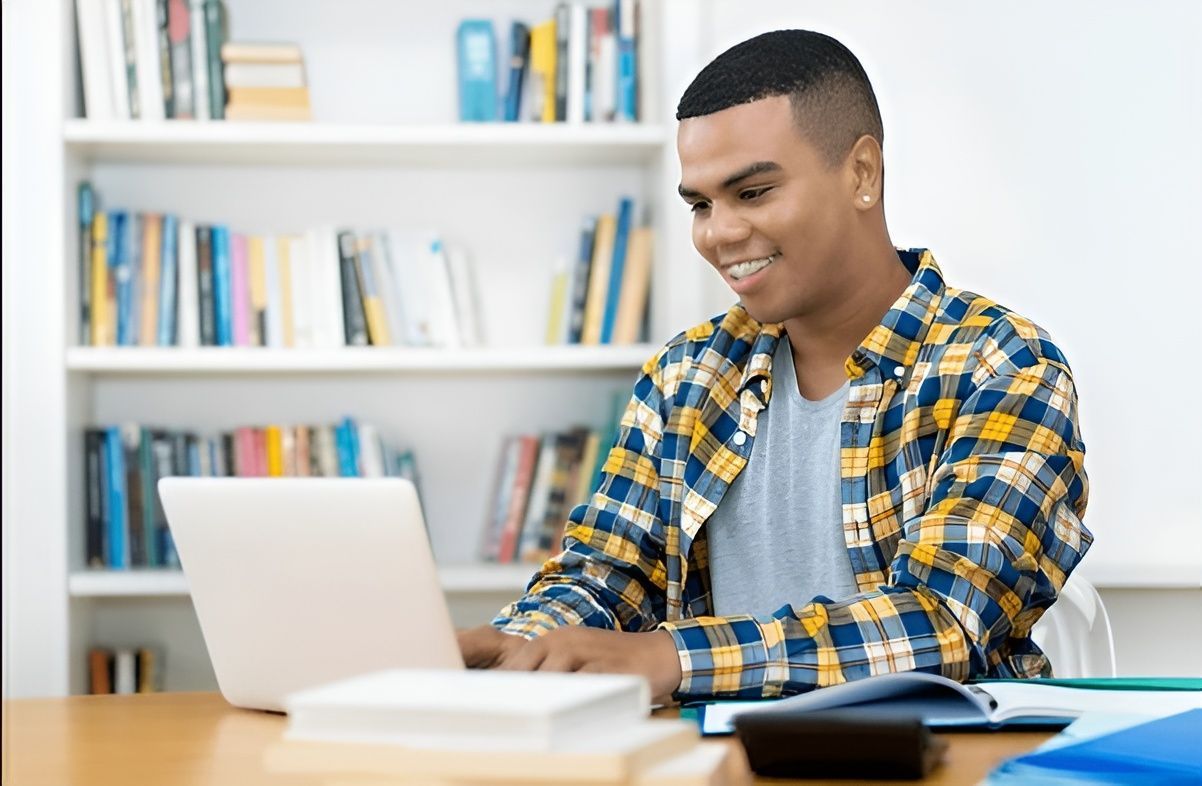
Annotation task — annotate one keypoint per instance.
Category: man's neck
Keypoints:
(822, 341)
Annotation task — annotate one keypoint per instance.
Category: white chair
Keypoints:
(1075, 632)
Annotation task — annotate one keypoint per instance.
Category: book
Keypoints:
(519, 497)
(617, 268)
(603, 65)
(370, 286)
(100, 670)
(627, 87)
(274, 336)
(945, 703)
(557, 304)
(256, 274)
(301, 299)
(222, 306)
(187, 319)
(125, 671)
(243, 75)
(576, 62)
(179, 32)
(563, 21)
(287, 308)
(85, 202)
(167, 322)
(149, 80)
(98, 317)
(354, 318)
(479, 711)
(239, 291)
(542, 71)
(1159, 751)
(115, 36)
(94, 490)
(462, 275)
(162, 36)
(283, 97)
(215, 34)
(243, 112)
(201, 95)
(531, 530)
(118, 535)
(94, 60)
(260, 52)
(152, 249)
(476, 50)
(129, 54)
(519, 57)
(636, 285)
(598, 283)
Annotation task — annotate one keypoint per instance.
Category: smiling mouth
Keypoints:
(744, 269)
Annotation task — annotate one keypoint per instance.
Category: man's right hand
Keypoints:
(484, 647)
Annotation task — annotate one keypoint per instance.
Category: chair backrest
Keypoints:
(1075, 632)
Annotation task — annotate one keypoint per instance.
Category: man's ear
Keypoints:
(867, 172)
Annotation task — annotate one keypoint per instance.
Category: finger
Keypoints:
(526, 657)
(558, 661)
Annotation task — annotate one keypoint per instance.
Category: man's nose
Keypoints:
(725, 227)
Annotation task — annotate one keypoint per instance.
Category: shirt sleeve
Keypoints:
(611, 573)
(998, 537)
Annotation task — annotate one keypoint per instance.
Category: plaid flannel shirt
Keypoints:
(963, 489)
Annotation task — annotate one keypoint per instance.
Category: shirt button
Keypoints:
(899, 372)
(740, 438)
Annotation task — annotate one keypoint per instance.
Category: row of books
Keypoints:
(601, 296)
(579, 66)
(125, 670)
(154, 279)
(152, 59)
(125, 525)
(539, 479)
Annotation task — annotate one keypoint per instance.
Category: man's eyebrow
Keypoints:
(759, 167)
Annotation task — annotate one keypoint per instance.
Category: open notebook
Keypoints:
(944, 703)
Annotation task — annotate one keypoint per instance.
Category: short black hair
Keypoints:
(833, 102)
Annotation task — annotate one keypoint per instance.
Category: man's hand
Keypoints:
(652, 655)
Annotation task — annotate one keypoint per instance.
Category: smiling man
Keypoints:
(855, 470)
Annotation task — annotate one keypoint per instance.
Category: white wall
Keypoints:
(1048, 154)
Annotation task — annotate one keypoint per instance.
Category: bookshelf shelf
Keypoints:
(241, 360)
(450, 145)
(167, 583)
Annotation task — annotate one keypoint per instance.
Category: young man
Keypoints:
(855, 470)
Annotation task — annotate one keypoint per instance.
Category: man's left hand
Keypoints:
(652, 655)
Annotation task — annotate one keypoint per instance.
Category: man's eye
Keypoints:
(698, 207)
(754, 193)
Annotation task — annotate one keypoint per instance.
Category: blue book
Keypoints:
(118, 260)
(352, 435)
(133, 252)
(222, 306)
(118, 556)
(519, 57)
(346, 458)
(614, 295)
(624, 25)
(477, 51)
(169, 282)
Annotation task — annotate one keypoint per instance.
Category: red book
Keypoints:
(519, 497)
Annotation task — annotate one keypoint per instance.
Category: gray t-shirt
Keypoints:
(776, 537)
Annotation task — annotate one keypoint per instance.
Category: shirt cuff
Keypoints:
(730, 657)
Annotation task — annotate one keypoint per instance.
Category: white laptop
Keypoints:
(301, 581)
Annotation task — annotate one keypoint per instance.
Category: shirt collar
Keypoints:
(892, 345)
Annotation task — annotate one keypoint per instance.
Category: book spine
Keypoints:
(373, 304)
(580, 281)
(186, 314)
(94, 61)
(214, 37)
(627, 64)
(354, 319)
(115, 36)
(239, 295)
(121, 263)
(298, 302)
(616, 268)
(130, 54)
(275, 452)
(274, 337)
(118, 557)
(161, 449)
(179, 28)
(597, 297)
(85, 200)
(94, 489)
(146, 58)
(152, 247)
(99, 278)
(163, 43)
(346, 456)
(636, 283)
(519, 498)
(577, 61)
(519, 43)
(125, 679)
(200, 60)
(563, 23)
(148, 476)
(256, 272)
(222, 308)
(100, 675)
(131, 438)
(204, 285)
(287, 315)
(303, 458)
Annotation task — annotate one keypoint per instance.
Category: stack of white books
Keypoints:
(495, 727)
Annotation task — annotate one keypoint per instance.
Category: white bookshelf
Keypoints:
(242, 360)
(384, 151)
(147, 583)
(479, 144)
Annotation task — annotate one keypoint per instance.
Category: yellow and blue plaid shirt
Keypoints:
(963, 489)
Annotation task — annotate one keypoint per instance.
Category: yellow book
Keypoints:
(559, 296)
(283, 259)
(584, 475)
(257, 273)
(542, 65)
(636, 281)
(275, 452)
(152, 244)
(373, 304)
(100, 276)
(598, 279)
(290, 97)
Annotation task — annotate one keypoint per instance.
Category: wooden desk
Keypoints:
(196, 738)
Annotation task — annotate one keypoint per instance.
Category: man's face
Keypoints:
(768, 212)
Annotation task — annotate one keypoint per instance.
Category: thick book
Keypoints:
(114, 31)
(636, 285)
(944, 703)
(476, 50)
(145, 30)
(479, 711)
(260, 52)
(542, 71)
(354, 318)
(238, 75)
(94, 60)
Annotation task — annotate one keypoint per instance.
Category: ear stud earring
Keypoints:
(866, 198)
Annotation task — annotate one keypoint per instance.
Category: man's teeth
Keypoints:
(744, 269)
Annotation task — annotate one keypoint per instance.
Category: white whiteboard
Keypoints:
(1048, 154)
